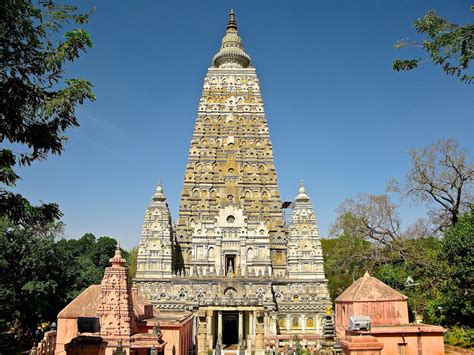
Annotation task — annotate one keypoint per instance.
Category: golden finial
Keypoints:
(232, 23)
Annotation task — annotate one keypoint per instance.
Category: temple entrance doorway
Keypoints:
(230, 329)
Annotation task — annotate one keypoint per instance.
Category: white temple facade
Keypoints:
(250, 279)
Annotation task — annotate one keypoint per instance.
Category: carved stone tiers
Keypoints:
(230, 257)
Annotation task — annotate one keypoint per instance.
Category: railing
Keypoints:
(47, 345)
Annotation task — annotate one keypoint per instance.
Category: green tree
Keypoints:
(297, 345)
(132, 262)
(367, 236)
(421, 265)
(375, 219)
(35, 279)
(37, 102)
(454, 304)
(447, 44)
(341, 267)
(91, 257)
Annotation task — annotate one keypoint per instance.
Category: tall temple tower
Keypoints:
(230, 258)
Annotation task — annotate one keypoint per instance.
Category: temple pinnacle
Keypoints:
(302, 189)
(231, 53)
(159, 194)
(232, 23)
(302, 193)
(117, 259)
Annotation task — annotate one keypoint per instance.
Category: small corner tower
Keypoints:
(155, 250)
(305, 255)
(115, 309)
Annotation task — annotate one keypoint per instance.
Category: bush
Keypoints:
(462, 337)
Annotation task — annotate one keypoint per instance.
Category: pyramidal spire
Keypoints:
(231, 53)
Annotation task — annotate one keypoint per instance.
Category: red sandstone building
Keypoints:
(390, 332)
(112, 316)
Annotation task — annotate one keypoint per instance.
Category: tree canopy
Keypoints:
(441, 175)
(40, 276)
(37, 101)
(447, 44)
(454, 304)
(436, 256)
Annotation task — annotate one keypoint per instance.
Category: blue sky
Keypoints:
(339, 117)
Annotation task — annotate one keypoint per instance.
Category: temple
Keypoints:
(389, 331)
(110, 318)
(248, 265)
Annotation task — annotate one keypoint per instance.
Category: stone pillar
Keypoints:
(202, 348)
(241, 327)
(317, 324)
(303, 324)
(288, 323)
(259, 347)
(249, 341)
(219, 328)
(265, 323)
(210, 330)
(218, 259)
(254, 323)
(273, 323)
(202, 333)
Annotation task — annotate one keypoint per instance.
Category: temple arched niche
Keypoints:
(295, 322)
(281, 323)
(250, 254)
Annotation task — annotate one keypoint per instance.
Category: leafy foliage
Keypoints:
(463, 337)
(34, 272)
(348, 257)
(132, 262)
(39, 276)
(454, 303)
(91, 257)
(343, 268)
(375, 219)
(447, 44)
(37, 103)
